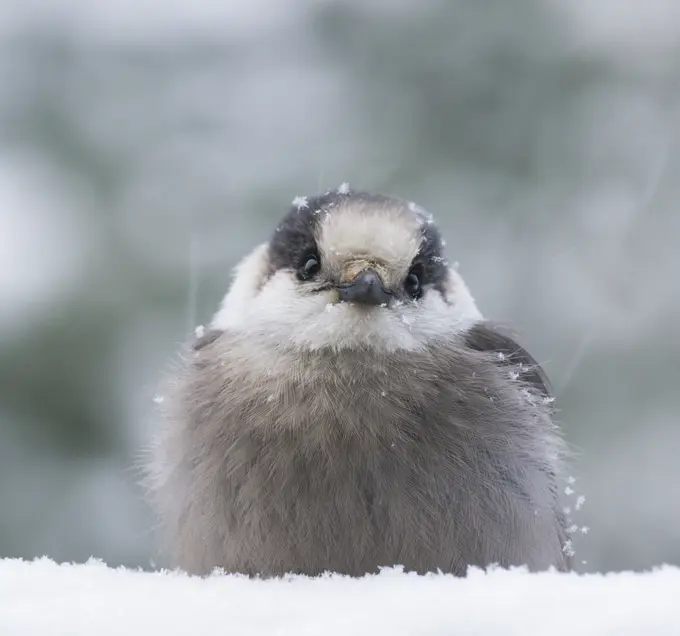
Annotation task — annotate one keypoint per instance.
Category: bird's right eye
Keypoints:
(310, 266)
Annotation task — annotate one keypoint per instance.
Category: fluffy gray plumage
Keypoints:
(290, 449)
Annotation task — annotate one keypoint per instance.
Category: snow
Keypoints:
(44, 598)
(300, 202)
(344, 188)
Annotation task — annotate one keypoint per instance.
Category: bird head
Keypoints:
(348, 269)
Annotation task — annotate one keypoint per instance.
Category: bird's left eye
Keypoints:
(413, 284)
(310, 266)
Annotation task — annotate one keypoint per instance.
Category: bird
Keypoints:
(349, 408)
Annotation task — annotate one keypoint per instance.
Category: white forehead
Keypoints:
(382, 231)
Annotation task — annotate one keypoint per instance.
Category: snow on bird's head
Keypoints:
(290, 288)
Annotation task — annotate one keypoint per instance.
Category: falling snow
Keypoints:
(416, 209)
(199, 331)
(344, 188)
(300, 202)
(528, 396)
(580, 500)
(158, 399)
(568, 491)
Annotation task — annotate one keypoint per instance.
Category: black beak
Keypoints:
(366, 289)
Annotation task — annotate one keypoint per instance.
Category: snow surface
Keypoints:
(42, 597)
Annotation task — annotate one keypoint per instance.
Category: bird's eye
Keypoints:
(413, 284)
(310, 266)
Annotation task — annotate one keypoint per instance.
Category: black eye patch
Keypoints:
(430, 258)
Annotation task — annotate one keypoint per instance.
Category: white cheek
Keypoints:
(283, 314)
(458, 295)
(248, 275)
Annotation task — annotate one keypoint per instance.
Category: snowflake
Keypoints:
(417, 210)
(568, 548)
(571, 480)
(300, 202)
(580, 500)
(548, 399)
(501, 356)
(158, 399)
(568, 491)
(383, 393)
(585, 530)
(344, 188)
(572, 529)
(513, 375)
(200, 331)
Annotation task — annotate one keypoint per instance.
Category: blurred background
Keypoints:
(146, 146)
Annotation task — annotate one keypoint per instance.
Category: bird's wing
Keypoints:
(489, 337)
(492, 338)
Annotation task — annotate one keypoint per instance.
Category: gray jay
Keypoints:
(349, 408)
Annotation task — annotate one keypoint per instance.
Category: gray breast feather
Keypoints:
(275, 461)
